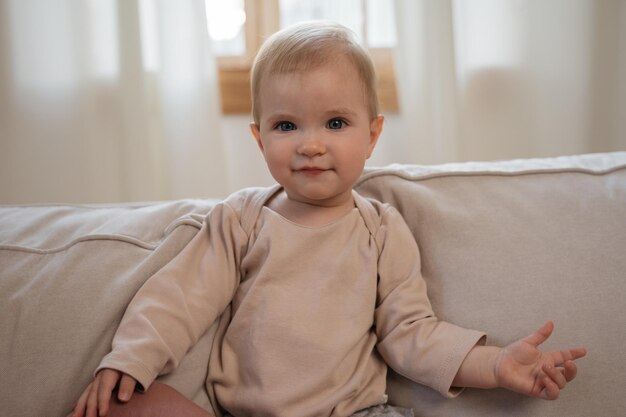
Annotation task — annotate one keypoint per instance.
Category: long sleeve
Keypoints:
(181, 301)
(412, 340)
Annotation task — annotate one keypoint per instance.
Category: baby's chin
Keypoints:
(320, 197)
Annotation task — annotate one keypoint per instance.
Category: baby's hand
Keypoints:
(523, 368)
(94, 401)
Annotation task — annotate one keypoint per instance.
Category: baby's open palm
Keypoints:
(523, 368)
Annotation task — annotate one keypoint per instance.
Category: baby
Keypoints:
(317, 288)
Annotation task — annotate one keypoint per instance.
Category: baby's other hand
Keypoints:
(523, 368)
(94, 401)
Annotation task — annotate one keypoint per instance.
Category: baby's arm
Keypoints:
(94, 401)
(170, 312)
(521, 367)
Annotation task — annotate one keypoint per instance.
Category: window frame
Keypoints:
(262, 19)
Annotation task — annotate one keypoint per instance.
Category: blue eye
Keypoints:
(285, 126)
(336, 124)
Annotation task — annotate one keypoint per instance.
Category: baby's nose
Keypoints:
(312, 145)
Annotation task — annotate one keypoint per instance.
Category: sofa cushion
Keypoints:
(506, 246)
(66, 276)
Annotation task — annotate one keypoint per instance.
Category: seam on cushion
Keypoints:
(194, 219)
(89, 238)
(393, 172)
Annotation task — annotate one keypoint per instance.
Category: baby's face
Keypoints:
(315, 131)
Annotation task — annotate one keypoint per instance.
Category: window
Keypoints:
(238, 28)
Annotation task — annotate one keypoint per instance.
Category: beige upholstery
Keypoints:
(66, 276)
(505, 246)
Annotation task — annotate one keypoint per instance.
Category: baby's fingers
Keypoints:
(559, 357)
(550, 390)
(107, 379)
(127, 387)
(577, 353)
(91, 407)
(570, 370)
(81, 404)
(555, 375)
(541, 335)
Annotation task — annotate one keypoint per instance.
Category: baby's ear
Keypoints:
(256, 132)
(376, 128)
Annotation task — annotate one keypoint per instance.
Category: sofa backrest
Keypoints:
(506, 246)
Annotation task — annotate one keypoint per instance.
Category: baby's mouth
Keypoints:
(312, 171)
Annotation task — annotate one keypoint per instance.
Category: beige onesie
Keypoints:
(310, 316)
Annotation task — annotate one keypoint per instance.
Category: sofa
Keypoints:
(505, 246)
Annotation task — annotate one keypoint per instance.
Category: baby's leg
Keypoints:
(158, 400)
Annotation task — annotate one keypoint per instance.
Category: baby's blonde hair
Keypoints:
(307, 46)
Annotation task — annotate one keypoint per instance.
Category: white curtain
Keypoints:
(499, 79)
(105, 100)
(117, 100)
